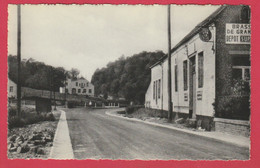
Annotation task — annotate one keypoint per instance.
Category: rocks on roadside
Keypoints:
(33, 143)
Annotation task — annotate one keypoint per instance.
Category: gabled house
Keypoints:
(208, 67)
(79, 86)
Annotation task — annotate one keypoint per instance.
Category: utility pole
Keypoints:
(50, 82)
(169, 67)
(54, 85)
(19, 60)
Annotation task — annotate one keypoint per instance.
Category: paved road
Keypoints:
(95, 135)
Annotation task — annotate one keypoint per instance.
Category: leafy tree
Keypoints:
(126, 77)
(36, 74)
(74, 73)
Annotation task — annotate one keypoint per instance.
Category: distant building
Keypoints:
(12, 89)
(79, 86)
(110, 97)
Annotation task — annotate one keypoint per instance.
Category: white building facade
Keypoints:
(204, 68)
(12, 89)
(79, 86)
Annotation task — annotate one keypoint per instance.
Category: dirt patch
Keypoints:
(157, 116)
(32, 141)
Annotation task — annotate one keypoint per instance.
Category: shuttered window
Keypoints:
(159, 88)
(185, 75)
(176, 78)
(154, 90)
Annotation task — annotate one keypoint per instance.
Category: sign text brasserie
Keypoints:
(238, 33)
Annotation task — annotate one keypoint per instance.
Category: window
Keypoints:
(185, 75)
(76, 83)
(87, 84)
(247, 74)
(89, 91)
(66, 90)
(241, 67)
(245, 13)
(241, 73)
(79, 90)
(84, 91)
(176, 78)
(159, 88)
(201, 69)
(11, 89)
(154, 90)
(156, 93)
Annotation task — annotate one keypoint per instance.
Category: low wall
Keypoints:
(235, 127)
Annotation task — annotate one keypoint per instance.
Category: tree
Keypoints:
(74, 73)
(126, 77)
(37, 75)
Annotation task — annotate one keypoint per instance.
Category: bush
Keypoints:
(132, 109)
(15, 121)
(31, 118)
(50, 117)
(71, 104)
(237, 104)
(121, 112)
(12, 111)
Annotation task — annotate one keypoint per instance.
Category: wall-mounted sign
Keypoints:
(199, 95)
(238, 33)
(185, 96)
(205, 34)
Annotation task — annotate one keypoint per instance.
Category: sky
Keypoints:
(88, 37)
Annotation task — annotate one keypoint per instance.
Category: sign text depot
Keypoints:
(238, 33)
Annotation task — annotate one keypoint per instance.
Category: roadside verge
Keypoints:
(62, 147)
(217, 136)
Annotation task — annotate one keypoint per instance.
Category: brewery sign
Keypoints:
(237, 33)
(205, 34)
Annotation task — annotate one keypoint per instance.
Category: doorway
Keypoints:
(192, 88)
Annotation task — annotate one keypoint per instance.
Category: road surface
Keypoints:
(95, 135)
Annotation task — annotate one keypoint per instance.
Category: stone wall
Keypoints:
(235, 127)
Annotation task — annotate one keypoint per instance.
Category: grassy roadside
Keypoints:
(34, 138)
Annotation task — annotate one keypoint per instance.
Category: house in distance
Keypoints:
(80, 86)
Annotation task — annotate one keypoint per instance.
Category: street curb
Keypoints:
(71, 154)
(54, 139)
(182, 130)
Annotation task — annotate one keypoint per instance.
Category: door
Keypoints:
(194, 93)
(192, 88)
(73, 90)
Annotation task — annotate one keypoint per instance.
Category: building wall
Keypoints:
(80, 84)
(205, 95)
(217, 69)
(165, 85)
(12, 89)
(148, 97)
(156, 96)
(224, 54)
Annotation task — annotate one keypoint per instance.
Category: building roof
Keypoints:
(193, 32)
(11, 80)
(76, 79)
